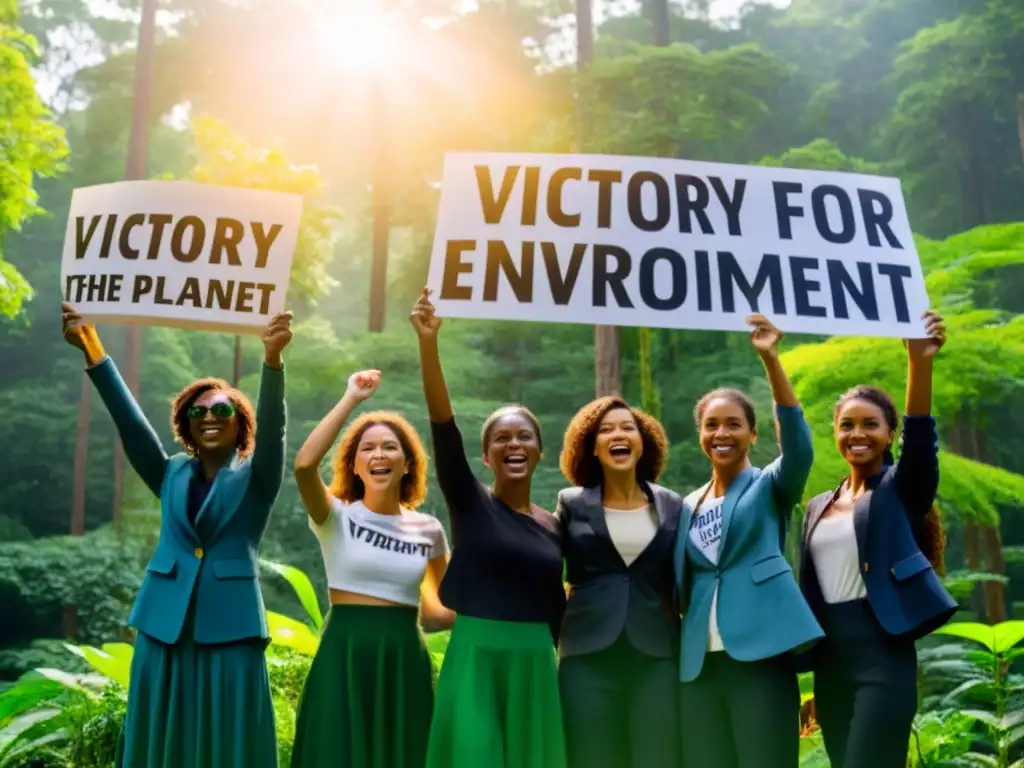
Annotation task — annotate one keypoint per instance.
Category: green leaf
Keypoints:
(292, 634)
(113, 662)
(303, 589)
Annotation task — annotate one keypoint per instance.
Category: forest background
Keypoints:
(259, 94)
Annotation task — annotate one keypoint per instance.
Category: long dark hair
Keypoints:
(932, 537)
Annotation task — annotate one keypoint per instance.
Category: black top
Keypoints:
(505, 565)
(198, 489)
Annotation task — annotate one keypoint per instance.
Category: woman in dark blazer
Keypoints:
(620, 633)
(868, 555)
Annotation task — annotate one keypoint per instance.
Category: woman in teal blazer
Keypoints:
(199, 695)
(744, 612)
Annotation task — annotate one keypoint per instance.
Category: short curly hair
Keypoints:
(348, 487)
(578, 462)
(932, 537)
(246, 439)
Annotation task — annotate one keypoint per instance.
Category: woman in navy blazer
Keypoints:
(740, 699)
(620, 633)
(868, 555)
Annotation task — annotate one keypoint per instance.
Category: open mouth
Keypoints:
(515, 461)
(722, 449)
(210, 432)
(380, 472)
(860, 449)
(620, 451)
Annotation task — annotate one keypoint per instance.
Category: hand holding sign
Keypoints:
(80, 334)
(926, 349)
(424, 317)
(765, 336)
(276, 336)
(363, 384)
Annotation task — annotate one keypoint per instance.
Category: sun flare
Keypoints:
(362, 40)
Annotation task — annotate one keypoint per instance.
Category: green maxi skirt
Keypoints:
(369, 696)
(200, 706)
(497, 699)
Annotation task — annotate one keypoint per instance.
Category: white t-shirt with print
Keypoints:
(382, 556)
(706, 533)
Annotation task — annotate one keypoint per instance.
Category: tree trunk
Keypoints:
(1020, 123)
(380, 211)
(995, 591)
(972, 561)
(236, 369)
(995, 562)
(135, 169)
(607, 361)
(657, 12)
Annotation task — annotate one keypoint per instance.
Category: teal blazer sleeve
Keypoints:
(268, 455)
(141, 445)
(789, 472)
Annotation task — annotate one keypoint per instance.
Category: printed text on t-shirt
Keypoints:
(383, 541)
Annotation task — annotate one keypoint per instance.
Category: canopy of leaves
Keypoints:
(31, 145)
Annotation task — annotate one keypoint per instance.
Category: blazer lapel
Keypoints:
(658, 500)
(593, 507)
(732, 498)
(861, 512)
(177, 498)
(685, 525)
(226, 494)
(814, 515)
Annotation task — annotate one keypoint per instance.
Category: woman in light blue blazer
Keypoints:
(744, 613)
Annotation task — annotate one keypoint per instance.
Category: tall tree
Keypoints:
(607, 355)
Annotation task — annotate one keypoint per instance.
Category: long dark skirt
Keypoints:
(201, 706)
(865, 689)
(369, 696)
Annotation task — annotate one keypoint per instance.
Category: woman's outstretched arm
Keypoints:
(791, 469)
(315, 496)
(142, 446)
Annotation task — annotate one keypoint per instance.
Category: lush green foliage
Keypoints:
(928, 90)
(31, 145)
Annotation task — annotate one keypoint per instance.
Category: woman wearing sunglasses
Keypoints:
(199, 693)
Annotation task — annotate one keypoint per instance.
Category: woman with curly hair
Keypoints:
(199, 693)
(620, 635)
(497, 695)
(744, 614)
(869, 554)
(368, 699)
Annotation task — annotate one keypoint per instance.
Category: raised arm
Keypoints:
(141, 445)
(268, 454)
(314, 493)
(426, 322)
(917, 471)
(790, 471)
(454, 475)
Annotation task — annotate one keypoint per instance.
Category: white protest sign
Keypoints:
(179, 254)
(635, 241)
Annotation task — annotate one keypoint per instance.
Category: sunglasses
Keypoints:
(219, 410)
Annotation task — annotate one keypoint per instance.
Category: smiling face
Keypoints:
(862, 433)
(725, 433)
(513, 448)
(213, 421)
(379, 460)
(618, 444)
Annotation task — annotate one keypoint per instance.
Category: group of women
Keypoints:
(604, 579)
